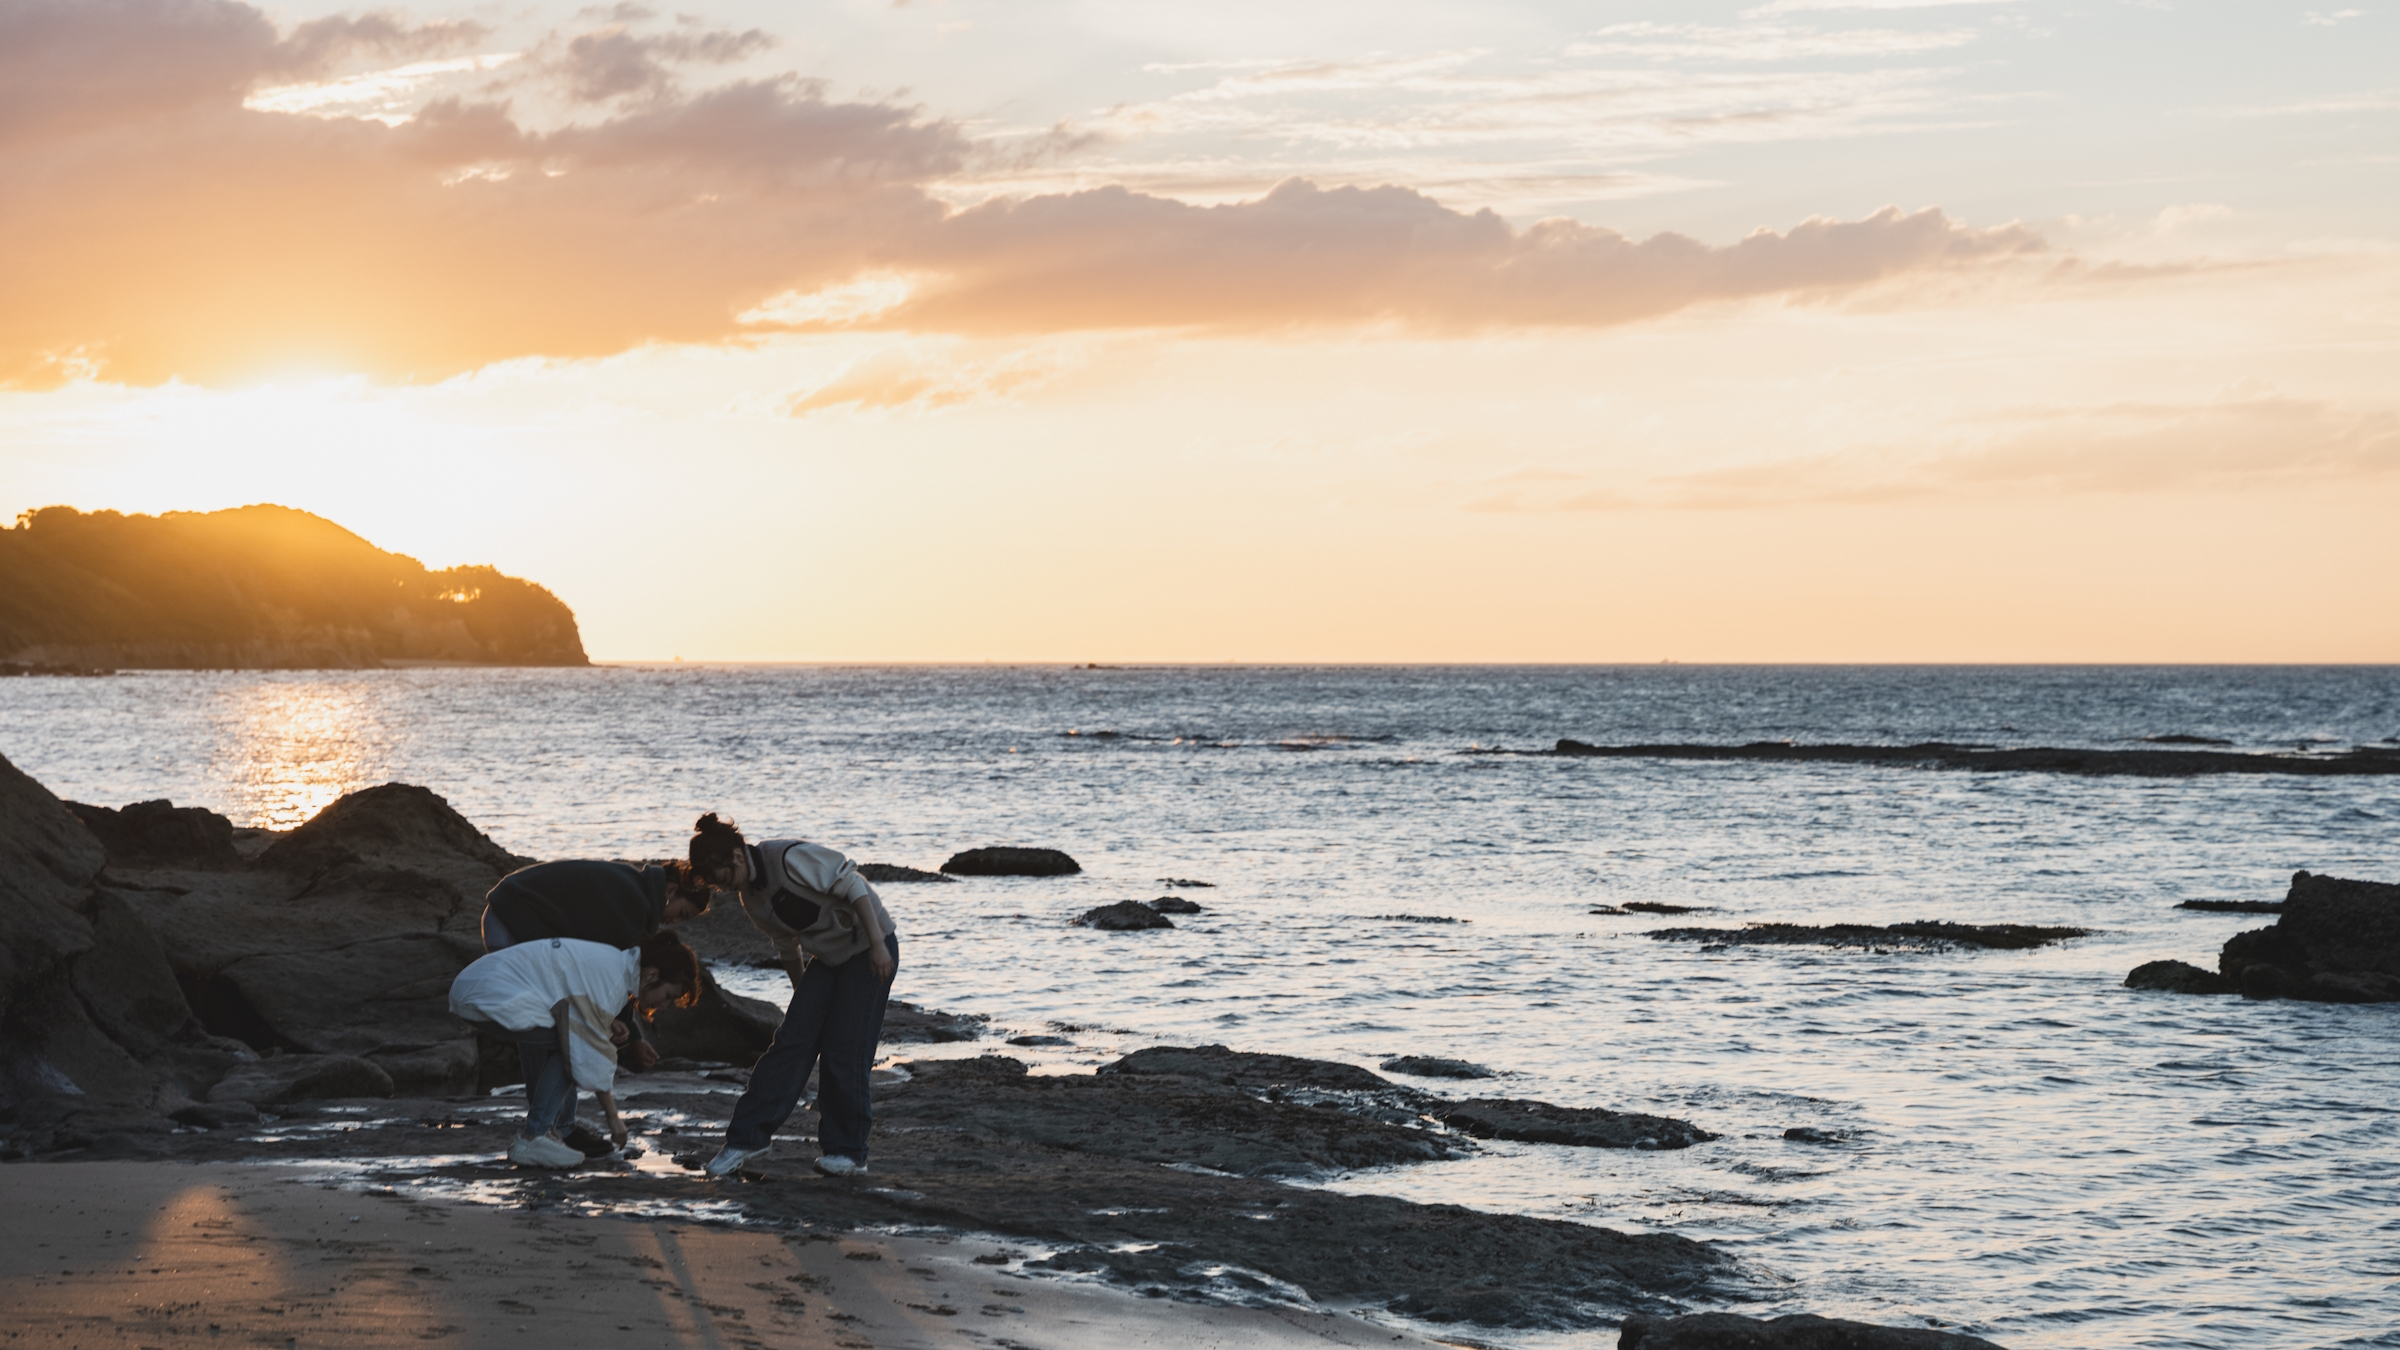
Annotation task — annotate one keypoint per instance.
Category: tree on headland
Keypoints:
(255, 587)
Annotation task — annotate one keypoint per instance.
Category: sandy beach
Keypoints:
(158, 1253)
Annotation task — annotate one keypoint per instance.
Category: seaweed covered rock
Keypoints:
(1435, 1066)
(1218, 1063)
(1799, 1331)
(1579, 1126)
(1125, 916)
(2177, 977)
(893, 872)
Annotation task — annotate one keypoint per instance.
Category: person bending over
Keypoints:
(557, 999)
(837, 944)
(617, 904)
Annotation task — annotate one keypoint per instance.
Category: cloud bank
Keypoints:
(158, 228)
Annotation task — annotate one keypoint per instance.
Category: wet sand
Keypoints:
(157, 1254)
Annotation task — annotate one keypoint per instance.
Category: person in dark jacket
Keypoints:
(591, 901)
(617, 904)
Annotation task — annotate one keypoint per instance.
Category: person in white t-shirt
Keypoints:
(558, 998)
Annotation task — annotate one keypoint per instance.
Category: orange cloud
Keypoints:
(1302, 254)
(157, 228)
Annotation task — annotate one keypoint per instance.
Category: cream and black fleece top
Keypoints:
(805, 898)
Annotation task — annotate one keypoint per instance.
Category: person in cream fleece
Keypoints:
(837, 944)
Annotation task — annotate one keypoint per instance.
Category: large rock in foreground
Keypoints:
(1799, 1331)
(95, 1035)
(342, 939)
(2335, 941)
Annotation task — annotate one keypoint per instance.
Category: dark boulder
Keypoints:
(2337, 941)
(1434, 1066)
(1580, 1126)
(887, 872)
(291, 1078)
(1799, 1331)
(2177, 977)
(1011, 862)
(2333, 941)
(161, 834)
(1174, 904)
(1125, 916)
(342, 939)
(397, 825)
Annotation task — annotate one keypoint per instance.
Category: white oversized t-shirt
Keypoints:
(573, 985)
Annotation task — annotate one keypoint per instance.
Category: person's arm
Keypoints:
(879, 957)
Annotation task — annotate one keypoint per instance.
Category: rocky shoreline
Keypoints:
(177, 989)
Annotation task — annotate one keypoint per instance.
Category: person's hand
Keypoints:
(619, 1032)
(879, 960)
(644, 1055)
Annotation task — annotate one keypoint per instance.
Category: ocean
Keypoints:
(2024, 1148)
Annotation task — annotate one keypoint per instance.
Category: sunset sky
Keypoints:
(1233, 331)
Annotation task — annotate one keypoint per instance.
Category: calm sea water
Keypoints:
(2034, 1152)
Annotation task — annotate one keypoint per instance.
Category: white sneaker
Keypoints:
(835, 1165)
(729, 1160)
(543, 1150)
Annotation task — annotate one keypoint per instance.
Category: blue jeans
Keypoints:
(549, 1091)
(832, 1025)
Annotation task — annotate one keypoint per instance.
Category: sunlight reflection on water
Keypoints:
(287, 750)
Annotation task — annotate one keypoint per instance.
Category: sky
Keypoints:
(1805, 330)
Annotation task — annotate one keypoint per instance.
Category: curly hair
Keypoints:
(714, 842)
(676, 963)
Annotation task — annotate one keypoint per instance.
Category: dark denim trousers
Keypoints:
(832, 1025)
(549, 1091)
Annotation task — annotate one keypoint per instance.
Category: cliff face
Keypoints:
(256, 587)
